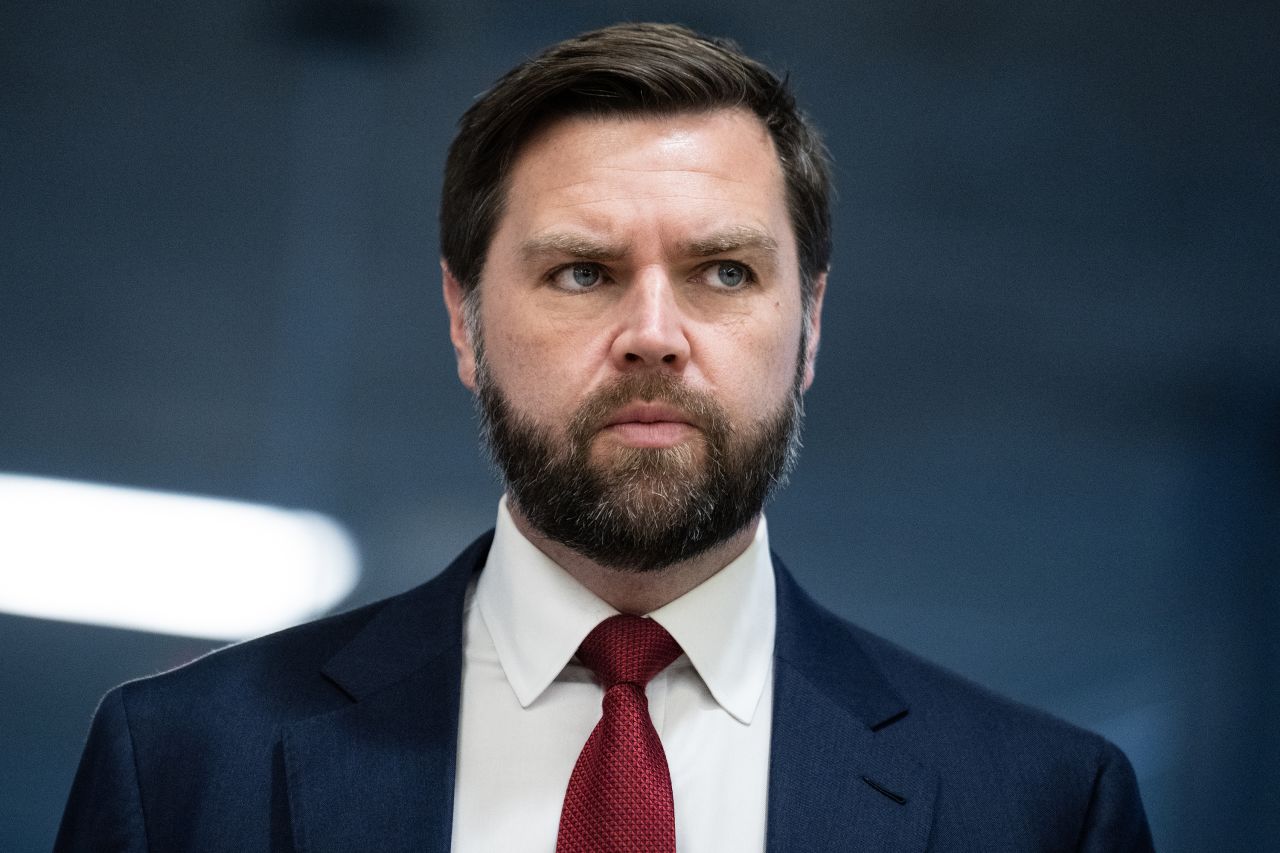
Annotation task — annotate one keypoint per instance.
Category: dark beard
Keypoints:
(647, 508)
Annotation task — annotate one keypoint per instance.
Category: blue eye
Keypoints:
(731, 275)
(586, 275)
(579, 277)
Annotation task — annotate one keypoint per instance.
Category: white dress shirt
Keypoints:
(528, 706)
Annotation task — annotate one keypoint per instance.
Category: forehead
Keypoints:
(700, 170)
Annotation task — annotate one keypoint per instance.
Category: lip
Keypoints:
(648, 413)
(649, 424)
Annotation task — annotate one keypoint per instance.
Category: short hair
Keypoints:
(626, 70)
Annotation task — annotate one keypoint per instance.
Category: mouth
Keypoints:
(649, 424)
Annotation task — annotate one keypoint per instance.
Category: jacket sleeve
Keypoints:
(1115, 821)
(104, 810)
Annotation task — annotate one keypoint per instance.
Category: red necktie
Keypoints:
(619, 796)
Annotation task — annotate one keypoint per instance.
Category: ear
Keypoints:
(815, 328)
(458, 332)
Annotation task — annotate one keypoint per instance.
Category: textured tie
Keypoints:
(619, 796)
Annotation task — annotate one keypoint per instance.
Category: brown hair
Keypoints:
(626, 69)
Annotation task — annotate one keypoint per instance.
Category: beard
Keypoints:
(641, 509)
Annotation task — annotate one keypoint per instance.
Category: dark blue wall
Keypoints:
(1044, 444)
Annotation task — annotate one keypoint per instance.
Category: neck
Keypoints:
(638, 592)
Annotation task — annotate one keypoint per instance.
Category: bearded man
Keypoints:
(636, 238)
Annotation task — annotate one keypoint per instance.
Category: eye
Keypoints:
(730, 275)
(579, 276)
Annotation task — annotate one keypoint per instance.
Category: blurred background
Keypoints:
(1044, 443)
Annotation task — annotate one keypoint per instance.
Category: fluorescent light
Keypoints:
(170, 563)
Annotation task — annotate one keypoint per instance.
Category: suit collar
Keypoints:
(378, 773)
(819, 646)
(410, 630)
(836, 779)
(426, 622)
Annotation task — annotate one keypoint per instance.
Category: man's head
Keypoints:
(626, 70)
(635, 235)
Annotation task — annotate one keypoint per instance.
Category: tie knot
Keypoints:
(628, 650)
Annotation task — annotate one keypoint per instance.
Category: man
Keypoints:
(635, 237)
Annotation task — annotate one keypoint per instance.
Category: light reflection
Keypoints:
(169, 563)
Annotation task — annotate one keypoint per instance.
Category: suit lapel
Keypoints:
(833, 783)
(379, 773)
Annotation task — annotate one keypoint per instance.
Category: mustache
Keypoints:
(700, 407)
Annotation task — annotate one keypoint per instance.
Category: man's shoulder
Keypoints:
(932, 706)
(309, 668)
(241, 693)
(997, 773)
(939, 698)
(205, 745)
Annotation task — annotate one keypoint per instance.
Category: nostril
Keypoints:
(632, 357)
(669, 358)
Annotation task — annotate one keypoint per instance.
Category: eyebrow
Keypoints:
(573, 245)
(735, 238)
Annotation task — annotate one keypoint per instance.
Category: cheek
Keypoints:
(538, 367)
(754, 364)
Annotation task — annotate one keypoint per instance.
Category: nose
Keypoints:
(652, 331)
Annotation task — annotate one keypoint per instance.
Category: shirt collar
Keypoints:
(538, 615)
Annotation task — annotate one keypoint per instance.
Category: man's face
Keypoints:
(638, 333)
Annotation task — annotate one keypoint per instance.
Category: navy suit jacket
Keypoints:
(341, 735)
